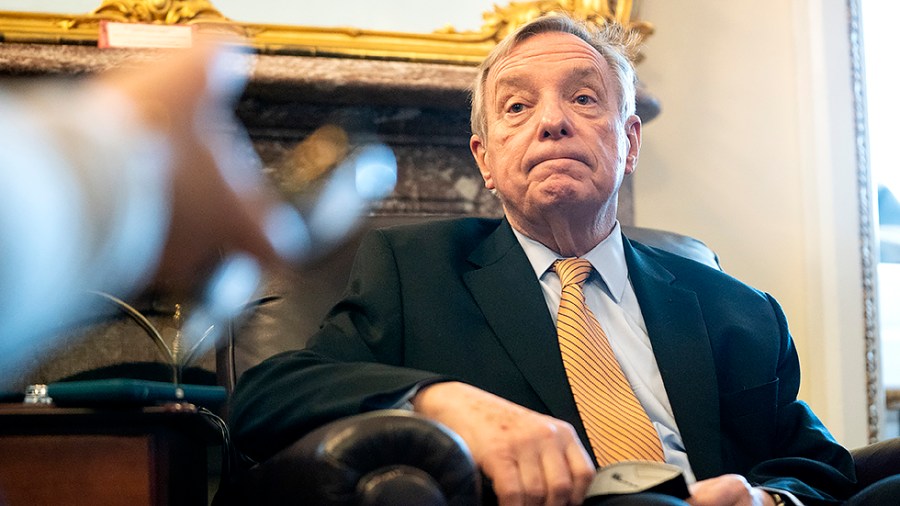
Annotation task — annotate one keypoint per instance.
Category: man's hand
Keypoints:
(531, 458)
(728, 490)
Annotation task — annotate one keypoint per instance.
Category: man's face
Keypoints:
(556, 142)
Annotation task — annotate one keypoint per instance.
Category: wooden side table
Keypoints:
(77, 456)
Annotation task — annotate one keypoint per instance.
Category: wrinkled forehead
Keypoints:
(537, 53)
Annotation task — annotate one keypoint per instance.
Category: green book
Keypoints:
(131, 392)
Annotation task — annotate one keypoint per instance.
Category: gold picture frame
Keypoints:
(442, 46)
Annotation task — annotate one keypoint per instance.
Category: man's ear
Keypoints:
(633, 133)
(479, 151)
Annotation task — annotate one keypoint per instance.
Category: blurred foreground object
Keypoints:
(332, 178)
(138, 176)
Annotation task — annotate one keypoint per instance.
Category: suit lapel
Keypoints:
(684, 356)
(513, 305)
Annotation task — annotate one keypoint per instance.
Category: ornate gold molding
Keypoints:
(167, 12)
(445, 45)
(504, 20)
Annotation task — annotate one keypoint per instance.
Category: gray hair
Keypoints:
(611, 40)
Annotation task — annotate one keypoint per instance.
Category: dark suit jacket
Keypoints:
(457, 299)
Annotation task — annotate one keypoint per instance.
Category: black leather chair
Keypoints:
(296, 301)
(388, 457)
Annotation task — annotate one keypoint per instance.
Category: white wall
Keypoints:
(754, 154)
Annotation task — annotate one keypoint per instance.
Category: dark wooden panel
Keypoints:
(77, 470)
(134, 457)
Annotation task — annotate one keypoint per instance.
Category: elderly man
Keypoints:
(470, 322)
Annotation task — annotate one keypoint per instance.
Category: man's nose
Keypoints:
(554, 121)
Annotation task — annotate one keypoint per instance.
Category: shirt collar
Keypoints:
(607, 259)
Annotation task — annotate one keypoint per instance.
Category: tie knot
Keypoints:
(572, 270)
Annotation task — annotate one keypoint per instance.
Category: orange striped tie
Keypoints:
(616, 423)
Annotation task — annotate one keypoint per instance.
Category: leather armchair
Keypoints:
(381, 458)
(877, 461)
(396, 457)
(389, 457)
(296, 302)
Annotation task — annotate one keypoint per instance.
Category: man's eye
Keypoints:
(515, 108)
(584, 99)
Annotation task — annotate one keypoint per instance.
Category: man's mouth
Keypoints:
(562, 157)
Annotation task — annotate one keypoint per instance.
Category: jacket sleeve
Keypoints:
(806, 459)
(351, 365)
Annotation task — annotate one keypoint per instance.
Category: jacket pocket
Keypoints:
(746, 402)
(749, 420)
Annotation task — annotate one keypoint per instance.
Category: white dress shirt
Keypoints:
(611, 298)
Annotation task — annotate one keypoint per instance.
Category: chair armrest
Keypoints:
(389, 457)
(877, 461)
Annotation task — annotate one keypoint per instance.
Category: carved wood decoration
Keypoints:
(875, 395)
(167, 12)
(444, 45)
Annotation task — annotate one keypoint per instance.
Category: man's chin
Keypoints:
(562, 186)
(561, 198)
